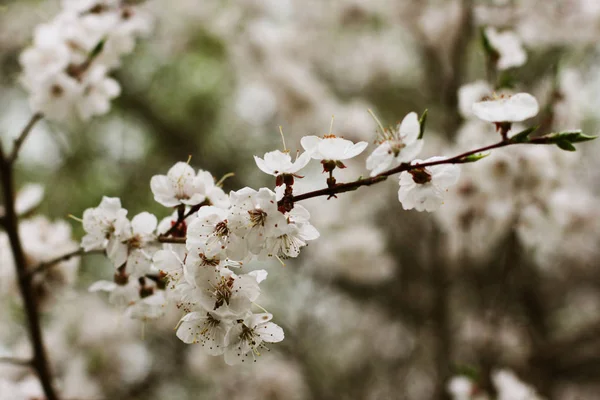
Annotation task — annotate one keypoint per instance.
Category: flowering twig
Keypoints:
(180, 218)
(23, 135)
(16, 361)
(10, 222)
(51, 263)
(350, 186)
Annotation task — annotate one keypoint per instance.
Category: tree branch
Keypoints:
(22, 362)
(51, 263)
(23, 135)
(11, 225)
(350, 186)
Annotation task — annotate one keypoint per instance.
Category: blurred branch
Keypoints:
(65, 257)
(16, 361)
(23, 135)
(441, 284)
(11, 225)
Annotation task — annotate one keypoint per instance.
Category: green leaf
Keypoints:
(485, 43)
(565, 145)
(523, 136)
(473, 158)
(422, 122)
(97, 49)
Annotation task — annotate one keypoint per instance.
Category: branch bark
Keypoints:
(11, 225)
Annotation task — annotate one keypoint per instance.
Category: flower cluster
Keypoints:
(223, 232)
(66, 68)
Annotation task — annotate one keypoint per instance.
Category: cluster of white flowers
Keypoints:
(66, 70)
(508, 387)
(189, 257)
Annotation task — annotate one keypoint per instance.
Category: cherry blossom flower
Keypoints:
(179, 186)
(211, 235)
(509, 47)
(506, 109)
(122, 294)
(509, 387)
(204, 328)
(292, 236)
(277, 163)
(254, 216)
(102, 222)
(423, 188)
(221, 292)
(169, 261)
(149, 307)
(248, 337)
(331, 148)
(130, 246)
(470, 94)
(461, 388)
(398, 146)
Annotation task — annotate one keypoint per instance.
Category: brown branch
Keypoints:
(30, 303)
(51, 263)
(350, 186)
(23, 135)
(22, 362)
(165, 239)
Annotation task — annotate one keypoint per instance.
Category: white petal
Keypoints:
(310, 143)
(144, 223)
(260, 163)
(355, 150)
(106, 286)
(410, 128)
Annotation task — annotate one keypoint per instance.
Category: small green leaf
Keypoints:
(422, 122)
(523, 136)
(565, 145)
(473, 158)
(485, 43)
(97, 49)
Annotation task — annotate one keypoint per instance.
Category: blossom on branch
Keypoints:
(399, 145)
(423, 188)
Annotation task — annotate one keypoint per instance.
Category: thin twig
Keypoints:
(347, 187)
(165, 239)
(23, 135)
(176, 224)
(51, 263)
(22, 362)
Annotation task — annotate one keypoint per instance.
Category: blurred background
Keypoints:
(387, 304)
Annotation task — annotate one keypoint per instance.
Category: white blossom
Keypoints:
(509, 387)
(131, 246)
(398, 146)
(472, 93)
(509, 47)
(121, 295)
(179, 186)
(277, 163)
(423, 188)
(515, 108)
(331, 148)
(248, 337)
(255, 216)
(211, 235)
(102, 222)
(206, 329)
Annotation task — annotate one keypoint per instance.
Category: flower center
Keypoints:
(221, 229)
(223, 291)
(257, 217)
(420, 176)
(208, 262)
